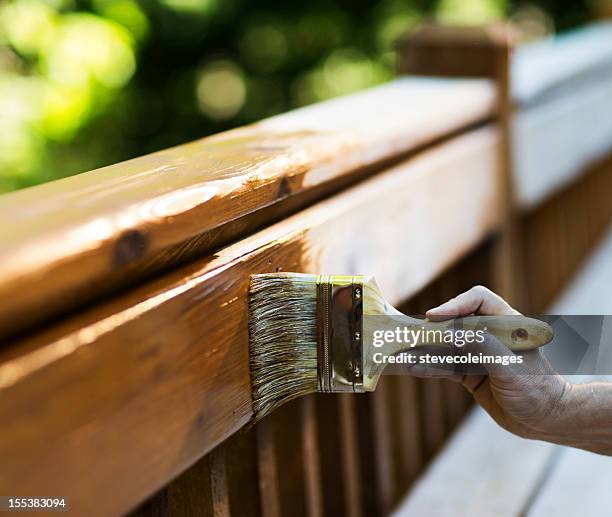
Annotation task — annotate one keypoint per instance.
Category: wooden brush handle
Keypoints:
(518, 333)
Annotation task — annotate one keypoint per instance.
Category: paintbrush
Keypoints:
(310, 333)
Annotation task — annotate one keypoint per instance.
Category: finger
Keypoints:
(484, 397)
(424, 369)
(536, 363)
(491, 349)
(427, 372)
(478, 300)
(472, 382)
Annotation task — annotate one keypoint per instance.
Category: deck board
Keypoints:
(578, 485)
(482, 471)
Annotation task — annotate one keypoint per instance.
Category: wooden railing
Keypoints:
(123, 299)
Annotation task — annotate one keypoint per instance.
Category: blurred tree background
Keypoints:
(87, 83)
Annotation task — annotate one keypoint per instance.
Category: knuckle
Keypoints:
(481, 290)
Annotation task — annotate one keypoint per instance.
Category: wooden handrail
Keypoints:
(563, 121)
(546, 67)
(103, 229)
(557, 87)
(142, 386)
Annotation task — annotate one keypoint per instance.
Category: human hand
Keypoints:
(522, 398)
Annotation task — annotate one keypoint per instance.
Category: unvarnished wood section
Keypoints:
(66, 241)
(144, 385)
(547, 67)
(555, 141)
(562, 88)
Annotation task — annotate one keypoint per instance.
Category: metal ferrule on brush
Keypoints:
(340, 333)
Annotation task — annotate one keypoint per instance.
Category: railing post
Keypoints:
(448, 51)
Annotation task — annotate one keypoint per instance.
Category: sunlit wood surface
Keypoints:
(72, 240)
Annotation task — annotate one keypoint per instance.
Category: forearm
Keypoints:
(583, 418)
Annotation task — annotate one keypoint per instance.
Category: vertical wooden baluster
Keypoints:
(218, 482)
(242, 474)
(563, 263)
(409, 452)
(546, 262)
(406, 424)
(282, 462)
(543, 277)
(310, 452)
(367, 437)
(578, 222)
(382, 446)
(447, 287)
(196, 492)
(431, 394)
(591, 193)
(534, 253)
(331, 440)
(156, 506)
(456, 403)
(268, 476)
(340, 455)
(351, 457)
(432, 414)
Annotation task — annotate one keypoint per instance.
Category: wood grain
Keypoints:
(267, 469)
(242, 474)
(350, 457)
(561, 232)
(433, 416)
(382, 446)
(311, 459)
(407, 426)
(291, 468)
(146, 384)
(338, 453)
(72, 240)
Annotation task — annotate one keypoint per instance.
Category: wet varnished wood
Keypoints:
(144, 385)
(70, 241)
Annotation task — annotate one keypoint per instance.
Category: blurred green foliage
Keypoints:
(86, 83)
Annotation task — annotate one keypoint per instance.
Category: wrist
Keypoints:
(581, 419)
(561, 401)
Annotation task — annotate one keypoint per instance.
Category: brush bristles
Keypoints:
(283, 339)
